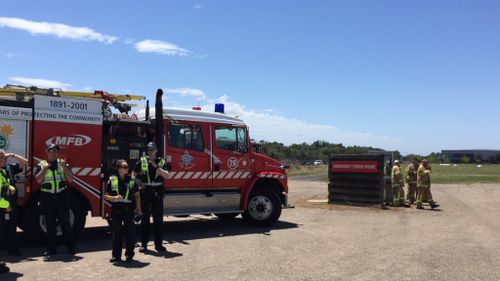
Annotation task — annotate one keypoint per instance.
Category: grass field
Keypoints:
(462, 173)
(303, 170)
(465, 173)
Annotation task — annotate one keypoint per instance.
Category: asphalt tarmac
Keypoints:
(314, 241)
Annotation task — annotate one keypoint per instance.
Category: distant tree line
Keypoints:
(465, 159)
(309, 152)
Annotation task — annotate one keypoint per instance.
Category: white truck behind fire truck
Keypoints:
(212, 164)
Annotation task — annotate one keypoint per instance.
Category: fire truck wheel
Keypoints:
(37, 227)
(264, 208)
(227, 216)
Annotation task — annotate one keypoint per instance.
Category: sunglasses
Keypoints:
(123, 167)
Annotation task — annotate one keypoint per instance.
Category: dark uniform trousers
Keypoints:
(4, 227)
(8, 227)
(12, 225)
(56, 206)
(122, 222)
(152, 204)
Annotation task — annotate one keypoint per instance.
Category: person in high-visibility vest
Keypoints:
(123, 193)
(54, 175)
(11, 164)
(5, 207)
(150, 172)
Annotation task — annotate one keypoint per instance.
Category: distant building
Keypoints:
(456, 156)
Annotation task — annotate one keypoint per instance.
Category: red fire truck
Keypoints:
(212, 163)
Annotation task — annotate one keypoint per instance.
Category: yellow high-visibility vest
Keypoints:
(116, 188)
(54, 180)
(4, 189)
(145, 166)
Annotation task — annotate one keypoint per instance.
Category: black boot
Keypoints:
(129, 258)
(4, 268)
(160, 249)
(115, 259)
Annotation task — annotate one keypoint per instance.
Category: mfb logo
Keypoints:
(75, 140)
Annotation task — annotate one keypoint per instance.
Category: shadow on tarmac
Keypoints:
(132, 264)
(10, 276)
(95, 239)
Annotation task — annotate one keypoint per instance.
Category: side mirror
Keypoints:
(257, 148)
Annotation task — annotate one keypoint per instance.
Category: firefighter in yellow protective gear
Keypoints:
(397, 184)
(424, 185)
(411, 181)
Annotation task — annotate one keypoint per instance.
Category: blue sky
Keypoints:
(416, 76)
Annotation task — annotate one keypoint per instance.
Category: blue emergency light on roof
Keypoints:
(219, 107)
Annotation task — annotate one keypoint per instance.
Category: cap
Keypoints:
(396, 161)
(51, 146)
(152, 145)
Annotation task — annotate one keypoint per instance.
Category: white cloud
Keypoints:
(187, 92)
(58, 30)
(42, 83)
(160, 47)
(271, 125)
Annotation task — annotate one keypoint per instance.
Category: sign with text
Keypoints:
(68, 110)
(15, 113)
(368, 167)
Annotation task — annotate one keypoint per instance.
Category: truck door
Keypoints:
(232, 162)
(187, 157)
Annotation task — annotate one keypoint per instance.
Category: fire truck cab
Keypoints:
(212, 166)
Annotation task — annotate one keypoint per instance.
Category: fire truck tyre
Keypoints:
(227, 216)
(38, 226)
(264, 208)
